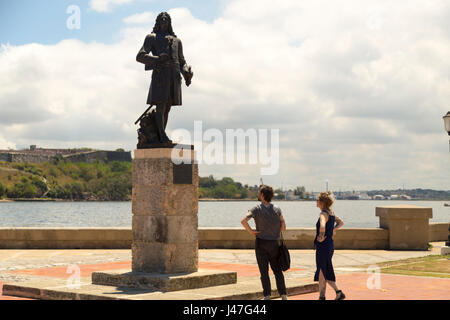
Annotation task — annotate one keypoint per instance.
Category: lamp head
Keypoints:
(447, 122)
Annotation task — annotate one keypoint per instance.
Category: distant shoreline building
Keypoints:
(40, 155)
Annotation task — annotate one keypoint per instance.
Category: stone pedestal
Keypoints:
(165, 225)
(164, 206)
(407, 225)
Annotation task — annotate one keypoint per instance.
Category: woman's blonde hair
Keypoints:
(327, 199)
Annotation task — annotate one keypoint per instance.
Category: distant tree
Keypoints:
(300, 191)
(207, 182)
(53, 172)
(86, 172)
(22, 190)
(76, 190)
(120, 166)
(279, 194)
(59, 192)
(29, 191)
(227, 180)
(40, 185)
(2, 190)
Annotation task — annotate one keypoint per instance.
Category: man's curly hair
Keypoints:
(267, 192)
(157, 27)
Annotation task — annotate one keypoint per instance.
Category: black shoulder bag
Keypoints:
(284, 258)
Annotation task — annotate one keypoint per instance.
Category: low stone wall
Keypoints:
(438, 231)
(299, 238)
(93, 156)
(5, 157)
(209, 238)
(31, 157)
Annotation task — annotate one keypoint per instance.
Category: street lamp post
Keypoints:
(447, 128)
(447, 124)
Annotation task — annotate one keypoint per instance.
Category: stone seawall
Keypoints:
(32, 158)
(5, 157)
(89, 156)
(209, 238)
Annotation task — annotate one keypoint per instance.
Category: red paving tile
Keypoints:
(85, 269)
(392, 287)
(354, 285)
(243, 270)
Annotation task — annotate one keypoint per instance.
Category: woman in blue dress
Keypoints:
(326, 226)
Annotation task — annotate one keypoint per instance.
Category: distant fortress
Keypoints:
(39, 155)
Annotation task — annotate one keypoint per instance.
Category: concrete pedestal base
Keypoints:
(164, 282)
(408, 226)
(165, 206)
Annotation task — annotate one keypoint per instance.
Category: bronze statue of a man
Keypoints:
(162, 52)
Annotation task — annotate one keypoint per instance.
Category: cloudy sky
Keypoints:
(357, 88)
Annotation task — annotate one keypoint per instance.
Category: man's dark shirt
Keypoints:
(267, 220)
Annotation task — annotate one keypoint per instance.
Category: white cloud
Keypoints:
(106, 5)
(357, 89)
(4, 144)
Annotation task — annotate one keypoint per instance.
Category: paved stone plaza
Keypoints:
(48, 269)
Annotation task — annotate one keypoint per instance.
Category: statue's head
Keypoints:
(163, 24)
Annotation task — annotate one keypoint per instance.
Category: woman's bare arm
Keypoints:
(323, 221)
(339, 223)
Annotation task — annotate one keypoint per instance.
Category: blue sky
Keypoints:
(44, 21)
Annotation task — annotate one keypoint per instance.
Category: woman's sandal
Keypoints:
(340, 295)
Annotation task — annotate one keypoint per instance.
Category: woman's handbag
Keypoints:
(284, 258)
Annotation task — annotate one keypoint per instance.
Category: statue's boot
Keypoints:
(163, 138)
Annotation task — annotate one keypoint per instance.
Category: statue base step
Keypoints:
(164, 282)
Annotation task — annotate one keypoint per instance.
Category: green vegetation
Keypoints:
(2, 190)
(66, 180)
(101, 181)
(428, 266)
(226, 188)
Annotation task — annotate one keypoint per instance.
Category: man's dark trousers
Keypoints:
(267, 252)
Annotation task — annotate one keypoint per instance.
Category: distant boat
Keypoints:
(446, 204)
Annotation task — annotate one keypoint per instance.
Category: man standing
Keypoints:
(162, 52)
(269, 223)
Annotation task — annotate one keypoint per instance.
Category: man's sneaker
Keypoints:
(340, 295)
(284, 297)
(322, 298)
(266, 298)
